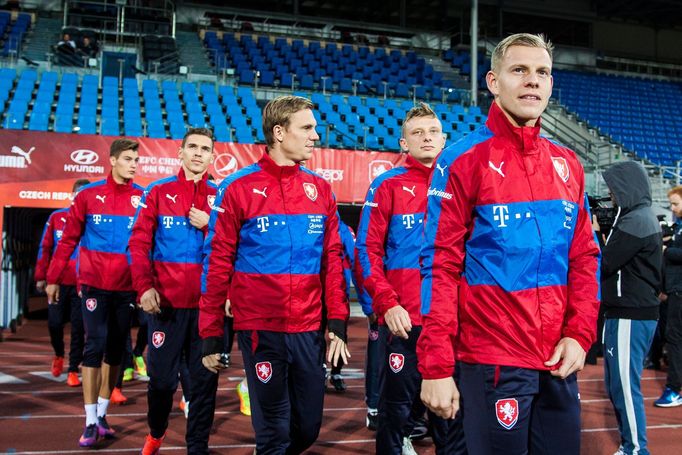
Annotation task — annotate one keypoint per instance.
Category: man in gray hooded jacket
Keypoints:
(632, 255)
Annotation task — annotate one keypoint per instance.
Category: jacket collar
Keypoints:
(268, 165)
(115, 185)
(526, 138)
(182, 177)
(412, 164)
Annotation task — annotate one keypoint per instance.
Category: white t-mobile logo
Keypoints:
(96, 219)
(167, 222)
(408, 221)
(263, 223)
(501, 214)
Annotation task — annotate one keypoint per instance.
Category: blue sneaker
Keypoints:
(89, 437)
(669, 399)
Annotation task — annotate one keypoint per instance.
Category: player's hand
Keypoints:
(52, 291)
(595, 224)
(571, 355)
(198, 218)
(212, 363)
(150, 302)
(40, 285)
(337, 348)
(228, 309)
(441, 396)
(397, 320)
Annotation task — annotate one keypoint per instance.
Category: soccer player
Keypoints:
(166, 252)
(387, 252)
(273, 248)
(101, 219)
(509, 271)
(69, 304)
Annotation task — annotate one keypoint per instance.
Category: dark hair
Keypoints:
(200, 132)
(78, 184)
(121, 145)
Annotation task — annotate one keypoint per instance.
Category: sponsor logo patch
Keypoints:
(91, 304)
(561, 167)
(310, 190)
(225, 164)
(264, 371)
(396, 362)
(378, 167)
(158, 338)
(507, 412)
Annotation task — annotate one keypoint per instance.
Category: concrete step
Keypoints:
(44, 34)
(192, 52)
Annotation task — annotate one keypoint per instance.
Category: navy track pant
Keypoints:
(67, 308)
(518, 411)
(286, 376)
(173, 339)
(106, 317)
(399, 402)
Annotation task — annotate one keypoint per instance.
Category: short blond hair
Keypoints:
(519, 39)
(278, 112)
(420, 110)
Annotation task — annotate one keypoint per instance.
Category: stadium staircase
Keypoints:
(44, 35)
(192, 52)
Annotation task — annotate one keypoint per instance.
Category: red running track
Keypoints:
(42, 416)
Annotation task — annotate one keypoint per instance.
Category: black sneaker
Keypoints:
(371, 420)
(337, 381)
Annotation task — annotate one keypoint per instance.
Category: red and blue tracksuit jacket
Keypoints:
(272, 248)
(101, 218)
(52, 234)
(510, 264)
(347, 237)
(390, 236)
(165, 249)
(350, 271)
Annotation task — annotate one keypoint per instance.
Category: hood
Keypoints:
(629, 183)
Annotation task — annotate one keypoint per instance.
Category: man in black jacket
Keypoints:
(673, 288)
(631, 278)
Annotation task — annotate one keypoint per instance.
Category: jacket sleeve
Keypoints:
(220, 248)
(332, 269)
(73, 230)
(141, 242)
(45, 250)
(582, 307)
(448, 219)
(372, 234)
(618, 251)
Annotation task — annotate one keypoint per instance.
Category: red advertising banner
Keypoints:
(37, 169)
